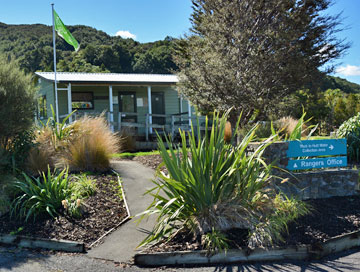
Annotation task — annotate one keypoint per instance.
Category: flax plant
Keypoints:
(41, 195)
(212, 186)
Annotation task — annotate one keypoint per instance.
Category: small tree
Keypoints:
(250, 54)
(17, 101)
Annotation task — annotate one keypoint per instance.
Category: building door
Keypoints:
(158, 107)
(127, 105)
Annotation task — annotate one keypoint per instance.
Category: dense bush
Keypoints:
(17, 105)
(17, 100)
(213, 186)
(350, 130)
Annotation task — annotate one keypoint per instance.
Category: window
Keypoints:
(82, 101)
(42, 110)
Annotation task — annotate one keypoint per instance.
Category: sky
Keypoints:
(151, 20)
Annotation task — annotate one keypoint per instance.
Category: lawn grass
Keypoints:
(320, 137)
(135, 154)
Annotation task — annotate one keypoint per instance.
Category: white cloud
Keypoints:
(349, 70)
(125, 34)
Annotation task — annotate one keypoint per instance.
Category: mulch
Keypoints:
(102, 212)
(329, 217)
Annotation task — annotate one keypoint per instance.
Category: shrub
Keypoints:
(212, 186)
(92, 145)
(13, 156)
(350, 130)
(6, 192)
(17, 100)
(41, 195)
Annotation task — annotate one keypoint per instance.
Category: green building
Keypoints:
(140, 103)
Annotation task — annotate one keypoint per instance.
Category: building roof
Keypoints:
(108, 78)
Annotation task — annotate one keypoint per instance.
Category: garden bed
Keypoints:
(329, 218)
(102, 212)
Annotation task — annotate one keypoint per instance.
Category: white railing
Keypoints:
(173, 122)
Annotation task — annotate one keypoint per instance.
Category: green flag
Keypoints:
(64, 33)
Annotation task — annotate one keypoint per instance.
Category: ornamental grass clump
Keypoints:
(212, 187)
(92, 145)
(85, 145)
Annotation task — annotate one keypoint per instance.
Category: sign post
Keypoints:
(316, 148)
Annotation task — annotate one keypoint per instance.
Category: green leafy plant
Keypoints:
(17, 231)
(215, 240)
(72, 207)
(212, 186)
(41, 195)
(350, 130)
(82, 186)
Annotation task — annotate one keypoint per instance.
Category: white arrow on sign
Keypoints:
(331, 147)
(295, 165)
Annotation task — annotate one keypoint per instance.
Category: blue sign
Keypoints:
(317, 163)
(312, 148)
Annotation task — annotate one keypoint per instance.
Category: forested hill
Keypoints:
(100, 52)
(332, 82)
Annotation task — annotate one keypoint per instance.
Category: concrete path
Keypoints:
(120, 246)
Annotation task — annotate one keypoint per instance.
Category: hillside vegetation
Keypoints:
(99, 52)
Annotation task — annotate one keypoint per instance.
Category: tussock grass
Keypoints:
(87, 145)
(92, 145)
(289, 124)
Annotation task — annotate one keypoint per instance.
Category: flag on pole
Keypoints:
(64, 33)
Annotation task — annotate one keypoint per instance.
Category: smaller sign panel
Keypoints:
(317, 163)
(311, 148)
(139, 102)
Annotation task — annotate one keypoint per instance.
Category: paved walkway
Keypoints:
(120, 245)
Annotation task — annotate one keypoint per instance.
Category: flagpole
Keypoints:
(56, 93)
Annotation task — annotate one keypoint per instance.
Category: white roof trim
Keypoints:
(109, 77)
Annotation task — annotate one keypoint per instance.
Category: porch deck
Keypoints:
(154, 123)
